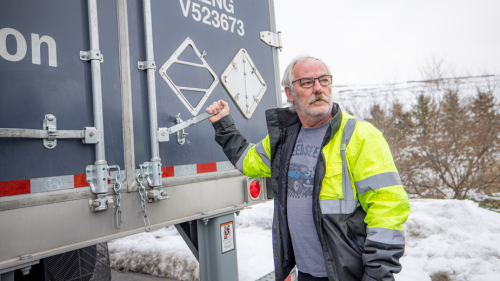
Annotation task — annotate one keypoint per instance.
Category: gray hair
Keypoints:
(288, 75)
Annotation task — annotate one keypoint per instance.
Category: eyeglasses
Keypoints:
(307, 82)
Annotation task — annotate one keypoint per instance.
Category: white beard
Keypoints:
(317, 112)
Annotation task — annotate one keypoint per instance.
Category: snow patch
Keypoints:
(452, 236)
(161, 253)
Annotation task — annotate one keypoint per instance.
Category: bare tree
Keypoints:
(448, 144)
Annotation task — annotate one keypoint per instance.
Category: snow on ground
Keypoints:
(254, 241)
(161, 253)
(453, 236)
(164, 253)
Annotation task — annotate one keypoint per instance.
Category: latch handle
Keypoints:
(164, 132)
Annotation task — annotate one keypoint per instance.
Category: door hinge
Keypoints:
(272, 39)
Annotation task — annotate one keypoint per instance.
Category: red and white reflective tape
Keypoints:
(18, 187)
(185, 170)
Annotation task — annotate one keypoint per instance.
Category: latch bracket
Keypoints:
(97, 176)
(145, 65)
(102, 203)
(152, 172)
(90, 135)
(91, 55)
(50, 125)
(181, 134)
(272, 39)
(163, 134)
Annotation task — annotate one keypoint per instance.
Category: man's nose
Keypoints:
(317, 86)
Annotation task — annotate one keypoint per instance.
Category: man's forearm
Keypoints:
(381, 261)
(230, 139)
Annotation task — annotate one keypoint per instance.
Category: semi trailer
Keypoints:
(103, 132)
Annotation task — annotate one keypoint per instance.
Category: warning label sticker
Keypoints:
(227, 237)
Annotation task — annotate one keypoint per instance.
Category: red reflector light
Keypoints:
(255, 189)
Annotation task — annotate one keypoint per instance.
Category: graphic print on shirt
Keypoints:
(300, 176)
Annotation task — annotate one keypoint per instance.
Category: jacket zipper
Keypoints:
(353, 240)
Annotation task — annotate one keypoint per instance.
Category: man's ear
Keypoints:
(288, 93)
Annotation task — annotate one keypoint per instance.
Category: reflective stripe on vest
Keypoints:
(349, 204)
(239, 164)
(385, 235)
(378, 181)
(259, 148)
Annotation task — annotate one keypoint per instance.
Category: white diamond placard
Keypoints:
(177, 89)
(244, 83)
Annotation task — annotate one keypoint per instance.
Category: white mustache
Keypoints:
(320, 97)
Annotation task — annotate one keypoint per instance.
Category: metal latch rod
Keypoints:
(164, 132)
(50, 134)
(188, 123)
(39, 134)
(100, 169)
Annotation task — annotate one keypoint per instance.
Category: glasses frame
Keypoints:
(314, 80)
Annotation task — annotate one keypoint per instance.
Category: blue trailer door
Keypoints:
(194, 42)
(41, 73)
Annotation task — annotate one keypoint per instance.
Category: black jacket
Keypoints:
(348, 254)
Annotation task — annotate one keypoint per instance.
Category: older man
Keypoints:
(339, 201)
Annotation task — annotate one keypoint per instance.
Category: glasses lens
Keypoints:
(306, 82)
(325, 80)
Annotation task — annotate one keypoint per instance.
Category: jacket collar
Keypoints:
(336, 120)
(284, 118)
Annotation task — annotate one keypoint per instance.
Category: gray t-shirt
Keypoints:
(305, 241)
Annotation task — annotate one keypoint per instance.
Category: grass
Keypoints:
(490, 204)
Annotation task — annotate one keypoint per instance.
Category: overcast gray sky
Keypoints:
(386, 41)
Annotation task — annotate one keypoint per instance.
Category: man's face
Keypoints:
(315, 101)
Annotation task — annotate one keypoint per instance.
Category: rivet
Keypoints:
(162, 133)
(91, 134)
(104, 179)
(51, 117)
(88, 170)
(89, 179)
